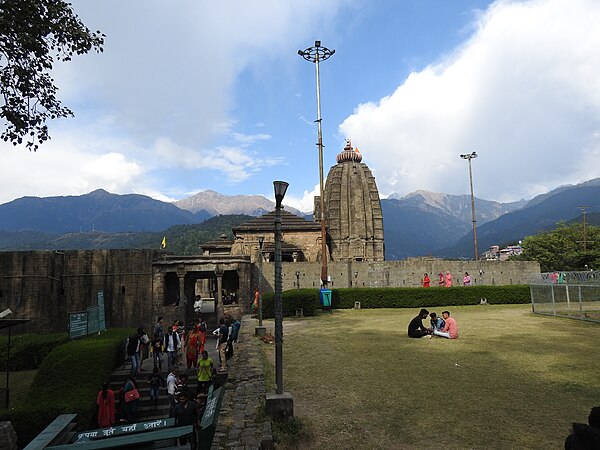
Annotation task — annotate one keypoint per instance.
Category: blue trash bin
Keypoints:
(325, 297)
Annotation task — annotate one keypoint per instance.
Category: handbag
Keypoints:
(131, 395)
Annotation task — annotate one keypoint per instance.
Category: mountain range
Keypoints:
(418, 224)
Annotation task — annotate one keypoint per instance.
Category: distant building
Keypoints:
(496, 253)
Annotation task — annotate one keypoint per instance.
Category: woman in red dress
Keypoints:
(426, 280)
(106, 407)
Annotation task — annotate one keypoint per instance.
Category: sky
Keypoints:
(194, 95)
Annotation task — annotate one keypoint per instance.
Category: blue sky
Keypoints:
(194, 95)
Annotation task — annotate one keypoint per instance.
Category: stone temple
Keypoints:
(352, 210)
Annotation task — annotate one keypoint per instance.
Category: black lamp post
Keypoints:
(261, 240)
(280, 188)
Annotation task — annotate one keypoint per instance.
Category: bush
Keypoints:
(308, 299)
(27, 351)
(68, 381)
(420, 297)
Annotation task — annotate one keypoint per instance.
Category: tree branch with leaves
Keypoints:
(34, 34)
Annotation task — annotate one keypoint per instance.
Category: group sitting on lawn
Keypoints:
(445, 327)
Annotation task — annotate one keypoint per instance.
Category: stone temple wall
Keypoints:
(46, 286)
(406, 273)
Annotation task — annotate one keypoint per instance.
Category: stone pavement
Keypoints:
(242, 422)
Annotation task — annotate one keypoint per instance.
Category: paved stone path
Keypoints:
(242, 423)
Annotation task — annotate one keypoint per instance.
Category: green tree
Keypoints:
(562, 248)
(33, 35)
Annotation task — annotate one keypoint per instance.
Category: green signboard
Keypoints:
(92, 319)
(208, 423)
(78, 325)
(101, 312)
(120, 430)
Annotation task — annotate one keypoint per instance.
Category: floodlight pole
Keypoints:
(315, 55)
(469, 157)
(584, 209)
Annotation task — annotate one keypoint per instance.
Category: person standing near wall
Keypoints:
(133, 351)
(467, 279)
(448, 282)
(171, 345)
(426, 281)
(222, 335)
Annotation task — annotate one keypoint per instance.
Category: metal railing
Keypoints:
(573, 295)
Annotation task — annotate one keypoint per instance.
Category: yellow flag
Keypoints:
(164, 242)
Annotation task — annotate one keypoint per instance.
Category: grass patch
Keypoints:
(292, 433)
(19, 384)
(512, 380)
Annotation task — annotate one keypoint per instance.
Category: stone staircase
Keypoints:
(147, 410)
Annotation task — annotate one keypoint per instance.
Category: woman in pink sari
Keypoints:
(448, 280)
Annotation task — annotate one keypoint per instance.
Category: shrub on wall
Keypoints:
(68, 381)
(27, 351)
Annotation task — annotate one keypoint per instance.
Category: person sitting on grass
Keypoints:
(416, 328)
(437, 323)
(450, 330)
(585, 436)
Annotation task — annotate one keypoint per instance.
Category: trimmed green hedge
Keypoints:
(27, 351)
(68, 382)
(308, 299)
(435, 296)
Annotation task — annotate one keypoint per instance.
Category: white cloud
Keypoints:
(304, 203)
(523, 91)
(161, 96)
(250, 138)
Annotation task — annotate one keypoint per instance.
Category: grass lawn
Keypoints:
(19, 384)
(513, 380)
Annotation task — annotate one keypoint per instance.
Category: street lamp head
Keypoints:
(280, 188)
(317, 43)
(469, 156)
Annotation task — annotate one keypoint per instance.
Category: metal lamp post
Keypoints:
(280, 188)
(315, 55)
(469, 157)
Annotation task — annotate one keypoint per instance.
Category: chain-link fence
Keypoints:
(567, 294)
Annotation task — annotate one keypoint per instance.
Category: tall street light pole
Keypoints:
(316, 54)
(469, 157)
(584, 209)
(280, 188)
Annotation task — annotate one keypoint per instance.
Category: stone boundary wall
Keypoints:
(242, 422)
(406, 273)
